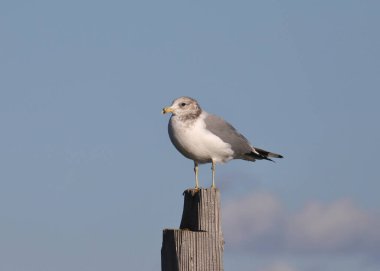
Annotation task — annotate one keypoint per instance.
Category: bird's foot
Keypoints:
(192, 191)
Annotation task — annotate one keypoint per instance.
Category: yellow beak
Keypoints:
(167, 110)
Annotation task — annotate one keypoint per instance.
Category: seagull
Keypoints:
(206, 138)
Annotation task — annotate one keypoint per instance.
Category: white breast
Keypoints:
(195, 142)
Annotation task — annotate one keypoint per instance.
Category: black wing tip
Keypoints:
(272, 155)
(264, 155)
(266, 158)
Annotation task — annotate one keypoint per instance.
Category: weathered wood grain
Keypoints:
(198, 244)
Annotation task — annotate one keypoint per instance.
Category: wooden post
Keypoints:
(198, 244)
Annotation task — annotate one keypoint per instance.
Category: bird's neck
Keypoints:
(190, 116)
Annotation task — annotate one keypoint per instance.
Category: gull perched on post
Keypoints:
(206, 138)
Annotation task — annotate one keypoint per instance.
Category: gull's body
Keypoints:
(206, 138)
(195, 142)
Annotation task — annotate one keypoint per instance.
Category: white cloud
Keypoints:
(260, 223)
(252, 217)
(336, 227)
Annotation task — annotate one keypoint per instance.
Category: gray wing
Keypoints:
(219, 127)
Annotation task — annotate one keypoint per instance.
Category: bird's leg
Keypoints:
(213, 173)
(196, 175)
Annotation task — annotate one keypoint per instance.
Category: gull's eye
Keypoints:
(182, 104)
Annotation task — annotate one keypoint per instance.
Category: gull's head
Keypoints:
(183, 106)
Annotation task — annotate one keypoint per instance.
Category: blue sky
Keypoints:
(89, 177)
